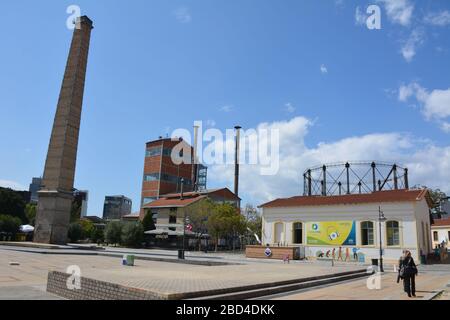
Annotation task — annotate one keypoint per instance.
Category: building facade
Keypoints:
(171, 208)
(440, 231)
(34, 188)
(348, 227)
(81, 197)
(116, 207)
(162, 176)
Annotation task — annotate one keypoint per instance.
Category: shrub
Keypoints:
(132, 234)
(88, 227)
(75, 232)
(97, 235)
(9, 224)
(148, 222)
(113, 232)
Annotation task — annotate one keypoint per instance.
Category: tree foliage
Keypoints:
(148, 223)
(75, 232)
(9, 224)
(12, 204)
(30, 212)
(132, 234)
(113, 232)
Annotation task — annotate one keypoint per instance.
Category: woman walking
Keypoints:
(408, 272)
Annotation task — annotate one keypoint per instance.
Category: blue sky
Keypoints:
(338, 90)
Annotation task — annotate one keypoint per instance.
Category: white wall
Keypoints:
(410, 216)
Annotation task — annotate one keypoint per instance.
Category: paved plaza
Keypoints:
(23, 275)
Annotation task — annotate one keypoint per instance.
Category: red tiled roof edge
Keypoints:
(380, 196)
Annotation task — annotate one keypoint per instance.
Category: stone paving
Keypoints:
(428, 284)
(161, 277)
(30, 276)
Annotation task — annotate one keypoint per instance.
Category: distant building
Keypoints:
(441, 232)
(82, 198)
(35, 186)
(162, 176)
(170, 209)
(445, 207)
(116, 207)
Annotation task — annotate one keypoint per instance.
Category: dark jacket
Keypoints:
(408, 267)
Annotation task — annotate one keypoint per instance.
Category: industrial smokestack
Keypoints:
(182, 189)
(236, 160)
(194, 159)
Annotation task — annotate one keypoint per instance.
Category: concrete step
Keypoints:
(285, 286)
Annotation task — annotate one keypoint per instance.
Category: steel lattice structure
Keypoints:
(354, 178)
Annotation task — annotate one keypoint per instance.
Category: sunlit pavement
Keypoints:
(428, 284)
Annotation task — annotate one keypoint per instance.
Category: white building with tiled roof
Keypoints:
(347, 227)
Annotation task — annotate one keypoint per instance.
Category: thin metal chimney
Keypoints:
(182, 189)
(194, 159)
(236, 160)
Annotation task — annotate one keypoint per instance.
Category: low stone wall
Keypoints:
(96, 290)
(278, 253)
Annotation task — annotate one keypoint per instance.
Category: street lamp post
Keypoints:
(381, 218)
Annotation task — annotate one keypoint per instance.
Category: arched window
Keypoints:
(278, 232)
(297, 233)
(393, 233)
(367, 233)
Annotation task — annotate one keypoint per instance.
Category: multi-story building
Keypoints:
(81, 197)
(35, 186)
(162, 176)
(116, 207)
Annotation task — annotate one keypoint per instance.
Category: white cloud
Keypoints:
(360, 17)
(323, 69)
(435, 104)
(411, 45)
(440, 19)
(183, 15)
(210, 123)
(12, 185)
(399, 11)
(290, 108)
(445, 126)
(429, 165)
(226, 108)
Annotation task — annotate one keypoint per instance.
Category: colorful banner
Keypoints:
(331, 233)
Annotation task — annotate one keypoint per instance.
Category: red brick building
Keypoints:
(162, 176)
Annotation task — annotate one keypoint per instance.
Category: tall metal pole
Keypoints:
(347, 166)
(324, 188)
(184, 220)
(394, 169)
(236, 159)
(309, 183)
(380, 219)
(374, 177)
(406, 179)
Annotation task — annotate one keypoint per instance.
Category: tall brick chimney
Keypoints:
(55, 198)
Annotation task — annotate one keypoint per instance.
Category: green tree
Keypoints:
(30, 212)
(113, 232)
(9, 224)
(97, 235)
(12, 204)
(132, 234)
(88, 227)
(75, 211)
(148, 222)
(75, 232)
(253, 220)
(437, 196)
(225, 221)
